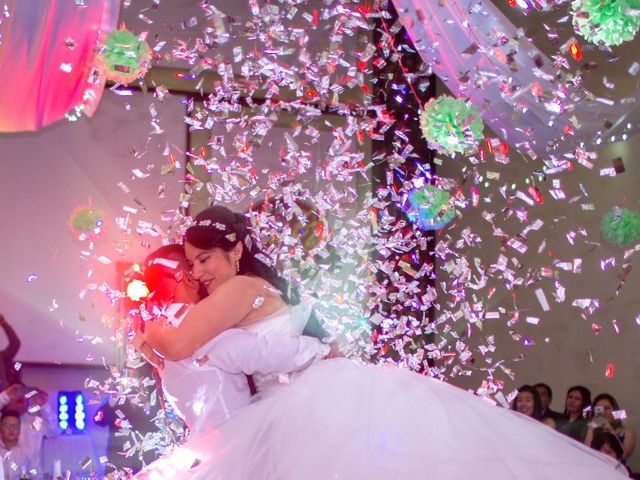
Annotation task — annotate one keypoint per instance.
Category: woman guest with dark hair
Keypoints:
(528, 403)
(607, 418)
(607, 443)
(575, 424)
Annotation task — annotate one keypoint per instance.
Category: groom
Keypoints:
(173, 292)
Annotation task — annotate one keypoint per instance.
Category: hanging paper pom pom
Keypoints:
(87, 222)
(610, 22)
(431, 207)
(123, 56)
(450, 125)
(621, 226)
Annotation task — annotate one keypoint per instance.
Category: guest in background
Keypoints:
(16, 459)
(8, 374)
(607, 443)
(577, 402)
(546, 396)
(121, 418)
(607, 418)
(37, 419)
(528, 403)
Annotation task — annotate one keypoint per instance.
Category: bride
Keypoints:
(339, 420)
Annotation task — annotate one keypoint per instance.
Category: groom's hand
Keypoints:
(335, 351)
(146, 351)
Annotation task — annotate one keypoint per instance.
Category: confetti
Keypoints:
(609, 370)
(542, 299)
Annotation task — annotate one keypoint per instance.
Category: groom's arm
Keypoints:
(240, 351)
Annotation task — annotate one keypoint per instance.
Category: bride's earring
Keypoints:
(238, 265)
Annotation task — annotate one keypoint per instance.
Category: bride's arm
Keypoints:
(226, 307)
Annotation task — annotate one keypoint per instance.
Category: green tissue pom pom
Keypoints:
(450, 125)
(88, 222)
(621, 226)
(430, 208)
(123, 56)
(609, 22)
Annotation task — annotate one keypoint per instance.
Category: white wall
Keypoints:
(46, 174)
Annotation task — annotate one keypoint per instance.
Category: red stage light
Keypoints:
(137, 290)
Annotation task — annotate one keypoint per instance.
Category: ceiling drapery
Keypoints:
(47, 52)
(479, 54)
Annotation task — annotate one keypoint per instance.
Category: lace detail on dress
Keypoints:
(257, 302)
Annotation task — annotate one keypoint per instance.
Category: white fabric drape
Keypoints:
(468, 44)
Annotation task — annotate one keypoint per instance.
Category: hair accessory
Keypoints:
(208, 223)
(165, 262)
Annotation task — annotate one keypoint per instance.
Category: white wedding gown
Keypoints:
(343, 421)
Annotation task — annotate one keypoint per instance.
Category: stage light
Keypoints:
(79, 413)
(137, 290)
(71, 413)
(63, 409)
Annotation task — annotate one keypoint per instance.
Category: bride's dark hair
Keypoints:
(219, 227)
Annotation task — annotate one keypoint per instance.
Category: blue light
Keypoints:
(71, 416)
(79, 414)
(63, 410)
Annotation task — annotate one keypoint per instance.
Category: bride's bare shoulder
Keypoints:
(246, 284)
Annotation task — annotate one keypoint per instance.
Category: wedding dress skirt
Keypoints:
(344, 421)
